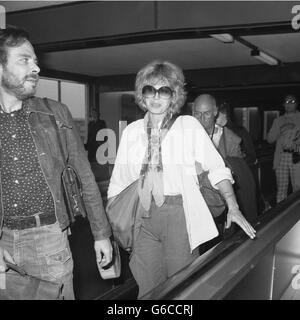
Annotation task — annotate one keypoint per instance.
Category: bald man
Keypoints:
(228, 144)
(205, 111)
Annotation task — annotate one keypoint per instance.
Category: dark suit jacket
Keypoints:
(244, 186)
(229, 145)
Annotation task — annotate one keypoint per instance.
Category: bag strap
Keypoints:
(53, 121)
(68, 177)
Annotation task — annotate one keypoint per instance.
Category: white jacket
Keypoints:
(185, 143)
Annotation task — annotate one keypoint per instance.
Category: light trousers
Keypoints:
(284, 172)
(162, 246)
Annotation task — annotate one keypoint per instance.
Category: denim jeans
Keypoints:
(42, 252)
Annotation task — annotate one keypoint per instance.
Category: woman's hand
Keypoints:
(235, 215)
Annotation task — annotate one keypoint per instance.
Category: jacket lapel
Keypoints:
(222, 147)
(38, 105)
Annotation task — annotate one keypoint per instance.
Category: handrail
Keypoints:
(215, 273)
(126, 291)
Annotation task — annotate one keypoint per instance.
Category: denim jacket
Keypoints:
(50, 159)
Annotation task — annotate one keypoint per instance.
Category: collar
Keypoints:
(147, 120)
(24, 108)
(218, 128)
(37, 105)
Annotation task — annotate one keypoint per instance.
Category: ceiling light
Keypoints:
(264, 57)
(224, 37)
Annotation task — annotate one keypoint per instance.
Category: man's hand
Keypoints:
(234, 215)
(5, 256)
(104, 252)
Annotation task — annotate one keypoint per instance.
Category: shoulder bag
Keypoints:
(121, 213)
(71, 183)
(213, 198)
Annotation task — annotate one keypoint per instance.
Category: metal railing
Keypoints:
(214, 274)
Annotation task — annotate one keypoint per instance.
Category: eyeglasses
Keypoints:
(205, 114)
(163, 92)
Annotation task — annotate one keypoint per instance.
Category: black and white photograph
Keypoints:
(150, 151)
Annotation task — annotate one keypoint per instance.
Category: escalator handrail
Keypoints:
(216, 272)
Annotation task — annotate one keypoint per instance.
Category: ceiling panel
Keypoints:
(189, 54)
(285, 47)
(172, 14)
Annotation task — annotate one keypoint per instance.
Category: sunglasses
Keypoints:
(163, 92)
(290, 101)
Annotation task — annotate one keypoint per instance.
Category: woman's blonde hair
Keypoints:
(161, 71)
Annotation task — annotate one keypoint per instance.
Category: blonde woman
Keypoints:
(160, 150)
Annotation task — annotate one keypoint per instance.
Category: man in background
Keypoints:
(247, 148)
(228, 144)
(285, 131)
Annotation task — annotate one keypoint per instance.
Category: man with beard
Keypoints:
(33, 218)
(285, 131)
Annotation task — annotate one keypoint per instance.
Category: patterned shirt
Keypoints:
(24, 189)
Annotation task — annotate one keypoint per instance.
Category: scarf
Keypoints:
(151, 174)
